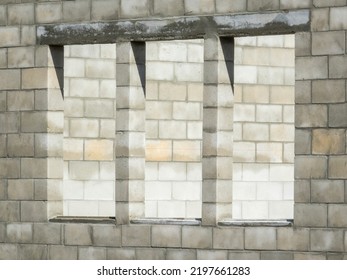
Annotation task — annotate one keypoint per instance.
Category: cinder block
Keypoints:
(338, 167)
(186, 190)
(321, 91)
(20, 189)
(21, 14)
(48, 12)
(99, 190)
(84, 88)
(21, 57)
(228, 238)
(312, 68)
(10, 36)
(293, 239)
(327, 191)
(186, 110)
(8, 251)
(102, 69)
(120, 254)
(134, 8)
(20, 100)
(309, 256)
(337, 18)
(186, 151)
(256, 132)
(172, 91)
(244, 112)
(188, 72)
(33, 211)
(244, 255)
(76, 11)
(181, 254)
(91, 253)
(3, 15)
(260, 238)
(10, 79)
(328, 141)
(311, 116)
(337, 215)
(9, 168)
(88, 128)
(98, 150)
(166, 236)
(40, 78)
(282, 132)
(302, 191)
(336, 45)
(202, 237)
(32, 252)
(105, 9)
(47, 233)
(107, 128)
(106, 236)
(256, 5)
(302, 142)
(136, 236)
(34, 168)
(61, 252)
(314, 167)
(199, 7)
(80, 170)
(337, 67)
(320, 20)
(20, 145)
(296, 4)
(158, 110)
(150, 254)
(326, 240)
(77, 234)
(277, 256)
(302, 92)
(19, 233)
(73, 149)
(310, 215)
(337, 113)
(212, 255)
(322, 3)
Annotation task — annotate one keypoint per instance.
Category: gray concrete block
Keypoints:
(166, 236)
(310, 215)
(9, 211)
(20, 189)
(150, 254)
(310, 167)
(107, 235)
(292, 239)
(338, 167)
(309, 256)
(8, 251)
(311, 115)
(327, 191)
(181, 254)
(212, 254)
(91, 253)
(228, 238)
(33, 211)
(277, 256)
(261, 238)
(136, 236)
(61, 252)
(78, 234)
(197, 237)
(47, 233)
(19, 233)
(244, 256)
(337, 113)
(337, 215)
(120, 254)
(32, 252)
(326, 240)
(263, 5)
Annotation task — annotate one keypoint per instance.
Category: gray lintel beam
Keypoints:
(174, 28)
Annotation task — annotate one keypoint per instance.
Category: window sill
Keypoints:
(164, 221)
(84, 220)
(256, 223)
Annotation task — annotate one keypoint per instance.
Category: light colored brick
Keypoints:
(158, 150)
(172, 129)
(76, 11)
(84, 88)
(103, 69)
(134, 8)
(281, 209)
(105, 9)
(186, 190)
(282, 132)
(171, 209)
(99, 190)
(311, 68)
(244, 112)
(186, 110)
(10, 79)
(20, 145)
(186, 151)
(20, 100)
(21, 14)
(269, 152)
(296, 4)
(245, 74)
(199, 6)
(158, 110)
(255, 210)
(211, 255)
(21, 57)
(9, 36)
(269, 191)
(269, 113)
(84, 128)
(338, 18)
(255, 132)
(260, 238)
(173, 51)
(81, 170)
(73, 149)
(256, 94)
(98, 150)
(172, 91)
(243, 255)
(48, 12)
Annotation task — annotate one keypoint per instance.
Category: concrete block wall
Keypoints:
(174, 77)
(89, 130)
(263, 182)
(32, 117)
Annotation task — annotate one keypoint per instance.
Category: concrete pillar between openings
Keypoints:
(130, 131)
(217, 161)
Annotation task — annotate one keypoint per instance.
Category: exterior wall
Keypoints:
(31, 167)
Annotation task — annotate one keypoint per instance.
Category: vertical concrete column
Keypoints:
(44, 166)
(130, 131)
(217, 161)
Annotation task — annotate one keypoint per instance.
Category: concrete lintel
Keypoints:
(256, 223)
(186, 27)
